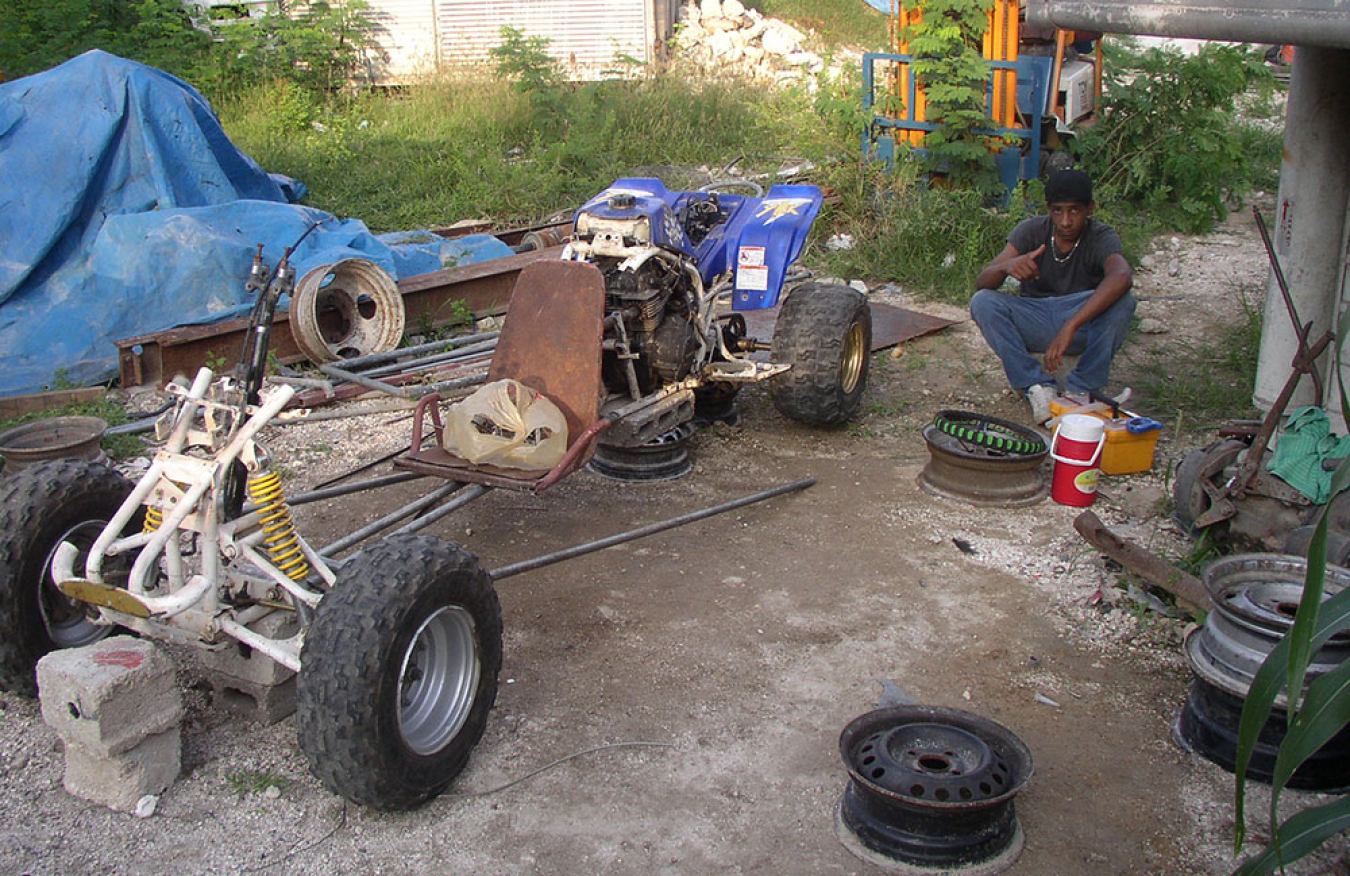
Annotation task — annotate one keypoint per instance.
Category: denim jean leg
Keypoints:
(1101, 339)
(1014, 327)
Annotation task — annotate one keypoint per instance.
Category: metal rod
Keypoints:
(334, 492)
(649, 529)
(444, 344)
(368, 383)
(431, 517)
(421, 363)
(390, 519)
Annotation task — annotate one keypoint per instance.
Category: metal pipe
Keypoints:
(390, 519)
(649, 529)
(454, 504)
(423, 362)
(404, 352)
(368, 383)
(334, 492)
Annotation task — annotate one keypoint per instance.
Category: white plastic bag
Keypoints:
(505, 423)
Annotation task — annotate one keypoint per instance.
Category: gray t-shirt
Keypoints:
(1081, 271)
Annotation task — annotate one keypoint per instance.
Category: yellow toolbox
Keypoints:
(1130, 440)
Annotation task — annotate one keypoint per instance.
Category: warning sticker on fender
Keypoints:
(756, 279)
(750, 257)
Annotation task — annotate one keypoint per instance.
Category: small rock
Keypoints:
(271, 792)
(710, 8)
(839, 242)
(948, 260)
(1148, 262)
(733, 580)
(145, 807)
(733, 8)
(859, 285)
(19, 761)
(1174, 268)
(1150, 326)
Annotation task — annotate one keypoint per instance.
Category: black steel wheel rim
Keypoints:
(931, 790)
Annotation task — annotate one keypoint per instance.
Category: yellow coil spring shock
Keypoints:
(153, 518)
(283, 545)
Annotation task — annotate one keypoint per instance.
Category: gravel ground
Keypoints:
(698, 680)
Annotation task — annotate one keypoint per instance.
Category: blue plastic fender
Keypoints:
(770, 240)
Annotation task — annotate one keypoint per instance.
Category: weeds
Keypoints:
(245, 782)
(1207, 383)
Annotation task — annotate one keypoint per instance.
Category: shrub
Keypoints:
(1167, 140)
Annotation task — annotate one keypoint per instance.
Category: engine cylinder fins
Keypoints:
(981, 475)
(664, 458)
(931, 791)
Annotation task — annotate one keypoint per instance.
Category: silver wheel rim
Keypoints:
(437, 680)
(66, 622)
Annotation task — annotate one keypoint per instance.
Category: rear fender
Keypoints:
(767, 241)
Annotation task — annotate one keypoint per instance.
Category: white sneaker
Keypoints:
(1039, 397)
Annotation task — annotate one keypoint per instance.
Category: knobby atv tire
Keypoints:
(366, 723)
(825, 333)
(39, 508)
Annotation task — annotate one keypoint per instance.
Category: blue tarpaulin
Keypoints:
(125, 210)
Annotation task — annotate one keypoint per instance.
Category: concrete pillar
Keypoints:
(1310, 222)
(116, 706)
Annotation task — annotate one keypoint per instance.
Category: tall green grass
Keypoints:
(471, 146)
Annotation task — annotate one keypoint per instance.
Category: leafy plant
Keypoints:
(37, 34)
(950, 68)
(1166, 139)
(1314, 718)
(317, 45)
(525, 62)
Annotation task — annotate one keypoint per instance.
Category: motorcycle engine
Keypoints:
(655, 305)
(649, 293)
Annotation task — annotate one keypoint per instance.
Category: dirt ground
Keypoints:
(719, 662)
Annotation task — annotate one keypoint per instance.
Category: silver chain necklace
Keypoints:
(1054, 252)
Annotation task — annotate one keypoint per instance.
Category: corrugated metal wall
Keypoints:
(406, 34)
(586, 35)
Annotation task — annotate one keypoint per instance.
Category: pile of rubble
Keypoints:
(724, 36)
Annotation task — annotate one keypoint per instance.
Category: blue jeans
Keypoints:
(1016, 327)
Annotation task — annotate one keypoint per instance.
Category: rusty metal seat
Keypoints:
(551, 342)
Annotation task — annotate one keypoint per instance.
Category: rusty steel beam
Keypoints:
(1142, 562)
(484, 287)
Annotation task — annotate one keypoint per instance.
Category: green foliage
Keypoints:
(1204, 384)
(932, 240)
(473, 146)
(950, 68)
(315, 45)
(37, 34)
(525, 61)
(1166, 140)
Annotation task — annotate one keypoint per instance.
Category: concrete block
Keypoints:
(249, 683)
(107, 697)
(118, 781)
(262, 703)
(243, 663)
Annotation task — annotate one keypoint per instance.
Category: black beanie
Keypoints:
(1072, 186)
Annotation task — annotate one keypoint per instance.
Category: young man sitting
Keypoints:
(1074, 296)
